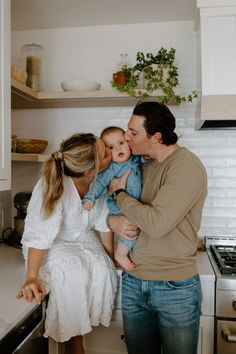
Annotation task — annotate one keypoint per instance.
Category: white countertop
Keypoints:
(12, 270)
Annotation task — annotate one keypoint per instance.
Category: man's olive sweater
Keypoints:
(169, 216)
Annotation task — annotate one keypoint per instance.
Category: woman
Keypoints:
(61, 247)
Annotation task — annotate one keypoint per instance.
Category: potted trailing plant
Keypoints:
(151, 73)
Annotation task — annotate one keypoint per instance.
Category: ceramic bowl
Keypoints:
(80, 85)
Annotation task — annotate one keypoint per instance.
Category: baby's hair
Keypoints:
(111, 129)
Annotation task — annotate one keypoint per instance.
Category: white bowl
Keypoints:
(78, 85)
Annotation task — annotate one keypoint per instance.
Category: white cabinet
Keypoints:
(206, 335)
(110, 340)
(5, 118)
(218, 48)
(218, 56)
(106, 340)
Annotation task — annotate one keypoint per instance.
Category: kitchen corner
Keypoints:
(81, 44)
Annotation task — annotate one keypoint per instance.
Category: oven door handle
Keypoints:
(228, 336)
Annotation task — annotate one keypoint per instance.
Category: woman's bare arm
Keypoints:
(32, 288)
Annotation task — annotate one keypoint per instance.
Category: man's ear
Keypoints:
(156, 138)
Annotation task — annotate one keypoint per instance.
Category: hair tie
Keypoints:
(57, 155)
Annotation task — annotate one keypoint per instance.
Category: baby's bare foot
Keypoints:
(125, 262)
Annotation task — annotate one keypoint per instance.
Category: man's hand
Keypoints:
(119, 183)
(122, 226)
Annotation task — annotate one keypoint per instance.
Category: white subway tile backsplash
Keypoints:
(223, 172)
(224, 203)
(218, 192)
(232, 223)
(231, 192)
(231, 142)
(224, 182)
(213, 222)
(226, 212)
(222, 231)
(210, 161)
(217, 151)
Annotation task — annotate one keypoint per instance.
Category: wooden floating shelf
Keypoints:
(28, 157)
(24, 97)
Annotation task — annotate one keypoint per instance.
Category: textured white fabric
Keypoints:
(81, 276)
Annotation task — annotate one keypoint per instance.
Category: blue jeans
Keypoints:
(161, 316)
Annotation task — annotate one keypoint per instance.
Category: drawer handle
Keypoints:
(228, 336)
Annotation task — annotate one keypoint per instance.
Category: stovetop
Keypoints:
(221, 251)
(225, 257)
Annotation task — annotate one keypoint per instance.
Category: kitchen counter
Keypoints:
(12, 271)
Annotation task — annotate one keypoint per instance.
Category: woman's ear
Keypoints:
(156, 138)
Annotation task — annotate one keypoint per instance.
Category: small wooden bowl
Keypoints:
(31, 146)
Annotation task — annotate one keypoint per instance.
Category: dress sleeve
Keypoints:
(101, 215)
(40, 232)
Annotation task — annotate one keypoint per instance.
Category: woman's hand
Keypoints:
(122, 226)
(31, 289)
(119, 183)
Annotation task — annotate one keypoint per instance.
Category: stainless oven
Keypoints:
(26, 337)
(222, 253)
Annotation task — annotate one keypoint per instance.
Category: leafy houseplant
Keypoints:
(156, 72)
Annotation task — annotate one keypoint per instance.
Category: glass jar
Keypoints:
(120, 77)
(123, 62)
(33, 53)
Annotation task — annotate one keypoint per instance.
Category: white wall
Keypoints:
(92, 53)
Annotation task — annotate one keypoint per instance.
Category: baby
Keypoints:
(121, 161)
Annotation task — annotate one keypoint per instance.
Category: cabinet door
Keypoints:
(106, 340)
(218, 49)
(206, 335)
(5, 123)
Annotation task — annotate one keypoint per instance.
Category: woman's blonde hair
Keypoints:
(75, 156)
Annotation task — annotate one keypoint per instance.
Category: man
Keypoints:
(161, 297)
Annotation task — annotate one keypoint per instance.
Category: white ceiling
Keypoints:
(42, 14)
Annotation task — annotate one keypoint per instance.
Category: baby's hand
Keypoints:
(88, 205)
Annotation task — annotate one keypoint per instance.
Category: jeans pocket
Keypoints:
(182, 284)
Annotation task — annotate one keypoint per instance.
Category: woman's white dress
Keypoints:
(81, 276)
